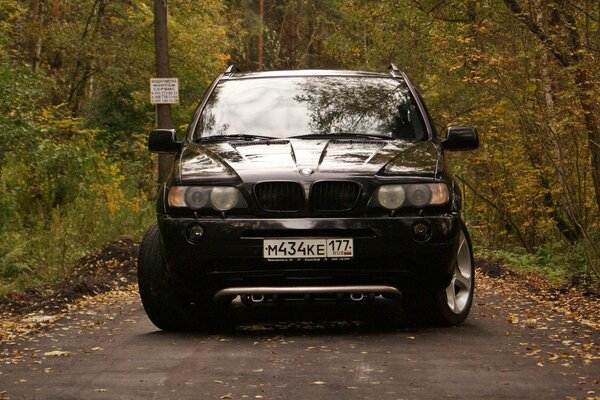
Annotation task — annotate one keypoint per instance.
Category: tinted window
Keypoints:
(291, 106)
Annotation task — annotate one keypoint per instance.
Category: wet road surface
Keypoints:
(110, 350)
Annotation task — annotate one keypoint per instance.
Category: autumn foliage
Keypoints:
(74, 110)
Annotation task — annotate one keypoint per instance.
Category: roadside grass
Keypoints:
(47, 252)
(66, 191)
(560, 263)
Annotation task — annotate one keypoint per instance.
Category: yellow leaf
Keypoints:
(57, 353)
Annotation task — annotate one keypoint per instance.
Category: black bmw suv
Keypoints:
(314, 184)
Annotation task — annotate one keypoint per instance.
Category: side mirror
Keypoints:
(163, 141)
(461, 138)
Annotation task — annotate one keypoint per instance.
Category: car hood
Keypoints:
(287, 159)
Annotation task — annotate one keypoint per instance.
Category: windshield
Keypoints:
(284, 107)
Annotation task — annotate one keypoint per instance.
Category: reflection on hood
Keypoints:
(280, 157)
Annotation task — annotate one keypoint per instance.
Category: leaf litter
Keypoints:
(568, 317)
(564, 320)
(111, 271)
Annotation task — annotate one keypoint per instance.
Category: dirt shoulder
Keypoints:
(582, 306)
(112, 267)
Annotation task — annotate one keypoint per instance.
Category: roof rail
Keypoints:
(394, 70)
(232, 69)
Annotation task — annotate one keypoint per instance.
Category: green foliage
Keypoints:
(45, 251)
(561, 263)
(117, 112)
(65, 194)
(531, 184)
(75, 112)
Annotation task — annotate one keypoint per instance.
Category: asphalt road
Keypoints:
(319, 351)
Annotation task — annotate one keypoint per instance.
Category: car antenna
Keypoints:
(232, 69)
(394, 70)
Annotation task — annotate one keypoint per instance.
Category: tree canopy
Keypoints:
(75, 112)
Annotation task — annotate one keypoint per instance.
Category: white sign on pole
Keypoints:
(164, 90)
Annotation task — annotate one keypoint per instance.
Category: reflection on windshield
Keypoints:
(283, 107)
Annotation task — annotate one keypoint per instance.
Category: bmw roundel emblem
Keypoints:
(306, 171)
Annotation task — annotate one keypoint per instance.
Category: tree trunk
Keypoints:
(568, 231)
(163, 111)
(84, 66)
(591, 126)
(570, 57)
(260, 45)
(36, 11)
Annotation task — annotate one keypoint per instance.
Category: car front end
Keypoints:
(315, 184)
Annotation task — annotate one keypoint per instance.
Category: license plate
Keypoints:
(308, 249)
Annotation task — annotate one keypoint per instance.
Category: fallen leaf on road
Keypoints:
(226, 396)
(217, 381)
(57, 353)
(41, 319)
(97, 349)
(318, 383)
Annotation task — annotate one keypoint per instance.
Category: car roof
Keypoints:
(305, 72)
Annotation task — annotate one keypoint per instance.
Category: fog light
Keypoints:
(195, 233)
(421, 230)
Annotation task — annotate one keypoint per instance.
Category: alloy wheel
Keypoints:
(458, 292)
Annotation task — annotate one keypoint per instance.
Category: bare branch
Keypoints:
(500, 210)
(587, 14)
(534, 28)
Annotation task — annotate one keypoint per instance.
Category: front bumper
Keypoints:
(386, 252)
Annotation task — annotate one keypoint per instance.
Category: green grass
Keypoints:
(559, 262)
(46, 252)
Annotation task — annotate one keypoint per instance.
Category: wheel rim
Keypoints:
(458, 292)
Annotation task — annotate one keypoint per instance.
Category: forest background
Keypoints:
(75, 112)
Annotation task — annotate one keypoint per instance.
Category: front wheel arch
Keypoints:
(451, 305)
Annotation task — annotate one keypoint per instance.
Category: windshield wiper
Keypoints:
(224, 138)
(343, 135)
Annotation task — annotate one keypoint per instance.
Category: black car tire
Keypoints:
(165, 308)
(451, 305)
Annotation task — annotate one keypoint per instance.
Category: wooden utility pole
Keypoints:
(163, 111)
(261, 14)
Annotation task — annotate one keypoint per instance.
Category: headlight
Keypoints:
(221, 198)
(391, 196)
(410, 195)
(224, 198)
(177, 196)
(439, 193)
(197, 197)
(419, 195)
